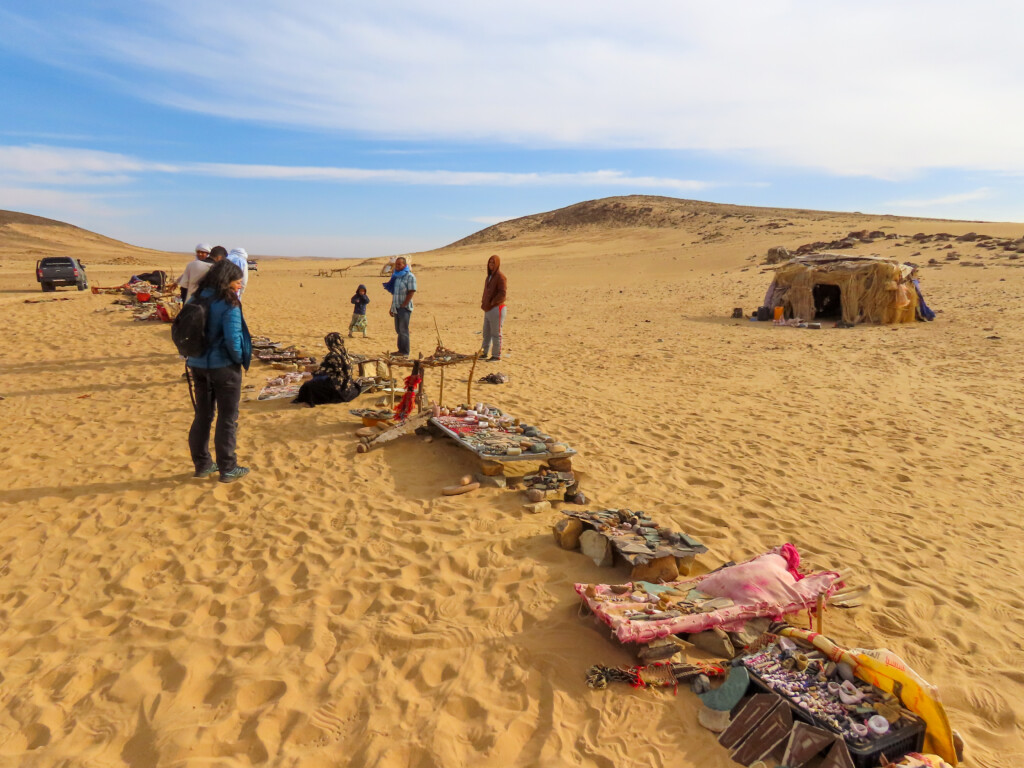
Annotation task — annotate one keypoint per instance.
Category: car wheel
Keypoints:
(82, 286)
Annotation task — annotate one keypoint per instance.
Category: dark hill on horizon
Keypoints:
(30, 237)
(650, 212)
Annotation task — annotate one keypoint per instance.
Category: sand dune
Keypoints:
(335, 609)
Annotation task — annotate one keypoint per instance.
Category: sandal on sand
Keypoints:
(235, 474)
(204, 473)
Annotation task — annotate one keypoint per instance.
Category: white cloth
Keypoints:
(194, 272)
(240, 259)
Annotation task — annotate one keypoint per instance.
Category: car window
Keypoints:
(54, 261)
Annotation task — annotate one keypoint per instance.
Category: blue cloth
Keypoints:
(227, 336)
(923, 310)
(398, 286)
(389, 286)
(360, 300)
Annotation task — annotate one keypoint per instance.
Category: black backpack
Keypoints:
(188, 331)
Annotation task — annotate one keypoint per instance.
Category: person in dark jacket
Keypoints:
(217, 373)
(359, 302)
(493, 305)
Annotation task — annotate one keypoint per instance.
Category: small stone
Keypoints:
(361, 448)
(715, 641)
(538, 507)
(567, 532)
(366, 432)
(534, 495)
(561, 465)
(579, 498)
(559, 447)
(597, 548)
(465, 480)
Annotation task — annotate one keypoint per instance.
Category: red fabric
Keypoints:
(788, 551)
(405, 405)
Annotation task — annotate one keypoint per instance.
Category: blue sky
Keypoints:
(341, 129)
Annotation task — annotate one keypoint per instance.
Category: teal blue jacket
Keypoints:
(227, 336)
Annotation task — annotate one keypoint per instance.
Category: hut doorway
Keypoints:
(828, 302)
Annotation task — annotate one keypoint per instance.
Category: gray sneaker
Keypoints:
(204, 473)
(235, 474)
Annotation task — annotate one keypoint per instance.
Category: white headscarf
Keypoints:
(240, 259)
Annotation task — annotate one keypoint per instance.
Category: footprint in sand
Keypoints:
(705, 482)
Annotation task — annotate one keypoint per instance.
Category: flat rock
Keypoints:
(716, 722)
(685, 564)
(489, 481)
(537, 507)
(658, 569)
(560, 465)
(715, 641)
(597, 548)
(751, 631)
(660, 649)
(492, 468)
(567, 532)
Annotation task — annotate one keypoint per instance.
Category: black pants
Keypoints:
(220, 390)
(184, 294)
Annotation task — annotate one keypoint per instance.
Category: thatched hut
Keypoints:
(855, 289)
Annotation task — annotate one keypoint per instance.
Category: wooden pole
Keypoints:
(440, 395)
(469, 384)
(391, 378)
(820, 610)
(423, 377)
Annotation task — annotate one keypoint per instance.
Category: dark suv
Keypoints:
(60, 270)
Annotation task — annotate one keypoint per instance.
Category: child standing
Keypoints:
(359, 302)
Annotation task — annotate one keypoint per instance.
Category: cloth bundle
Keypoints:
(332, 382)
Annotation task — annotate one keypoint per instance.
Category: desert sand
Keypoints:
(336, 609)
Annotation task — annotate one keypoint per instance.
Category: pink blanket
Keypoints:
(768, 585)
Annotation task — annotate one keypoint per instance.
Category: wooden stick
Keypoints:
(391, 378)
(440, 395)
(820, 618)
(419, 393)
(469, 384)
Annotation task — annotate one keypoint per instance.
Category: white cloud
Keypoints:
(983, 193)
(46, 165)
(874, 87)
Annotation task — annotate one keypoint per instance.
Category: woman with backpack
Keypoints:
(217, 372)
